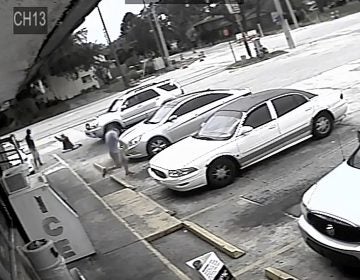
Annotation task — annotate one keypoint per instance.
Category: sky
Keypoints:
(113, 12)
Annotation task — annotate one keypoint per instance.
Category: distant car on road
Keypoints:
(245, 132)
(330, 221)
(134, 106)
(176, 120)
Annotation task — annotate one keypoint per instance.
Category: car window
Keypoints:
(199, 102)
(168, 87)
(288, 103)
(258, 117)
(131, 101)
(147, 95)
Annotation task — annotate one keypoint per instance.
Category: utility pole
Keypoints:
(148, 16)
(284, 24)
(161, 36)
(292, 14)
(233, 7)
(113, 51)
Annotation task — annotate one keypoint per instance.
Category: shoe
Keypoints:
(104, 172)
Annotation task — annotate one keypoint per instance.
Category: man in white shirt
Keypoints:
(117, 151)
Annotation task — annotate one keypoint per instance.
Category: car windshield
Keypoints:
(115, 105)
(160, 114)
(220, 126)
(354, 160)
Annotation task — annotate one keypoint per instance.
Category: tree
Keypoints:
(74, 54)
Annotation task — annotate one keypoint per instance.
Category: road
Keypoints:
(259, 211)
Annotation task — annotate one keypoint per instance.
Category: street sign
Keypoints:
(232, 6)
(210, 267)
(276, 18)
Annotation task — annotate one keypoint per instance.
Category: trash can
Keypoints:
(46, 260)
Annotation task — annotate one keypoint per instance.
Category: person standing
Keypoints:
(31, 144)
(117, 151)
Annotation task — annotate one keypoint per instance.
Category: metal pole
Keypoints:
(232, 51)
(284, 24)
(123, 74)
(292, 14)
(261, 33)
(238, 21)
(148, 16)
(161, 36)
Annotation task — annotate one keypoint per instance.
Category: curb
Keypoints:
(214, 240)
(122, 182)
(98, 166)
(163, 233)
(277, 274)
(116, 179)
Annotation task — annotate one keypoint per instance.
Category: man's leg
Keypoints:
(38, 157)
(33, 153)
(125, 162)
(116, 159)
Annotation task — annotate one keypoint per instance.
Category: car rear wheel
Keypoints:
(322, 125)
(156, 145)
(221, 173)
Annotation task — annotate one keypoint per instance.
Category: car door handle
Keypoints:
(272, 127)
(139, 106)
(308, 109)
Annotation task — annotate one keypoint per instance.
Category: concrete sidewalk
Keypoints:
(121, 253)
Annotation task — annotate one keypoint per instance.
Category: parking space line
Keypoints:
(267, 257)
(181, 275)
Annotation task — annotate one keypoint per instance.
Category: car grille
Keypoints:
(340, 258)
(334, 228)
(159, 173)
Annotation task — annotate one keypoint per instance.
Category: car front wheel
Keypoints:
(322, 125)
(221, 173)
(156, 145)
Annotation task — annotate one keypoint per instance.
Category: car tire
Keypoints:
(322, 125)
(110, 125)
(156, 144)
(220, 173)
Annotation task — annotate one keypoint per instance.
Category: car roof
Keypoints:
(243, 104)
(189, 96)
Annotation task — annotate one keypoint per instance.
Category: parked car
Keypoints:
(176, 120)
(330, 221)
(245, 132)
(134, 106)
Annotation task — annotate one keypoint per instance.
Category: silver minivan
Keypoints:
(175, 120)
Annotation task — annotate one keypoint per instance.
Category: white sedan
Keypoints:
(244, 132)
(330, 221)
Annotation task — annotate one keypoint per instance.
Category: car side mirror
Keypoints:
(172, 118)
(123, 107)
(203, 124)
(245, 130)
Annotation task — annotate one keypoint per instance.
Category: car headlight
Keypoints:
(181, 172)
(135, 141)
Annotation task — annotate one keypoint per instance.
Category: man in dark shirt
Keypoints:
(31, 144)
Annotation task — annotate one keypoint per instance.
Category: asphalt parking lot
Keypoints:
(257, 213)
